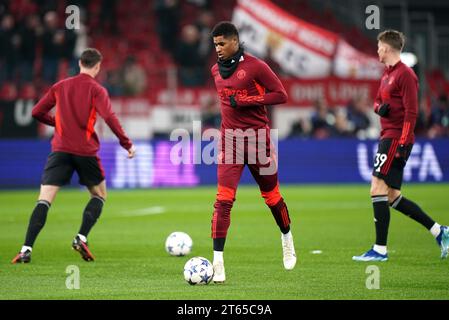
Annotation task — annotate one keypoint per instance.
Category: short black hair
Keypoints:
(226, 29)
(90, 57)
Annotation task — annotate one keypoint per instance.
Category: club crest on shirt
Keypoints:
(241, 74)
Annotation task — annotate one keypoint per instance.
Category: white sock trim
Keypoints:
(25, 248)
(380, 249)
(435, 230)
(287, 235)
(83, 238)
(218, 256)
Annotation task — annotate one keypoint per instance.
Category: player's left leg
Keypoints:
(269, 188)
(91, 175)
(37, 222)
(414, 211)
(58, 171)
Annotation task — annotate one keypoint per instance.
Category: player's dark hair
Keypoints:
(90, 57)
(394, 38)
(225, 29)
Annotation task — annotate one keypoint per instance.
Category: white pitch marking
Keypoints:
(145, 212)
(316, 252)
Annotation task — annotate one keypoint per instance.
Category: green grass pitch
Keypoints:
(128, 242)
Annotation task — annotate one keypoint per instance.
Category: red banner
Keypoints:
(301, 93)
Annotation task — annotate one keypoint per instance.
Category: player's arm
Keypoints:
(102, 104)
(382, 109)
(271, 90)
(41, 110)
(409, 92)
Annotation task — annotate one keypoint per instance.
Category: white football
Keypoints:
(178, 244)
(198, 270)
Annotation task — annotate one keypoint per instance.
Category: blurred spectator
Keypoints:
(134, 77)
(45, 6)
(3, 8)
(52, 47)
(21, 9)
(322, 120)
(358, 118)
(301, 128)
(82, 38)
(69, 51)
(205, 23)
(210, 114)
(192, 65)
(114, 83)
(422, 121)
(9, 49)
(439, 118)
(168, 14)
(341, 128)
(108, 16)
(29, 34)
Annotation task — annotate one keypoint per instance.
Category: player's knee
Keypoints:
(99, 194)
(225, 194)
(393, 194)
(378, 187)
(272, 197)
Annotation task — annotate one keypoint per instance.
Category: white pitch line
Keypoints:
(144, 212)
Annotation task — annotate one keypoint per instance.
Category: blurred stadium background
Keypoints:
(157, 56)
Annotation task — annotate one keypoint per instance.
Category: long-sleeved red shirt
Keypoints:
(77, 101)
(399, 88)
(255, 86)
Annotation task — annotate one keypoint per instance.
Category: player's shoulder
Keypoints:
(214, 68)
(249, 58)
(406, 71)
(254, 62)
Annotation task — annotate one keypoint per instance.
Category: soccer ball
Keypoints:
(198, 270)
(178, 244)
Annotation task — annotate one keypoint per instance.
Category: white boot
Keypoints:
(288, 250)
(219, 272)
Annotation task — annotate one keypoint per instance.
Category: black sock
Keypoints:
(219, 244)
(381, 218)
(91, 215)
(411, 209)
(37, 222)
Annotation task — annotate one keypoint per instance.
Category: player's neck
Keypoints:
(393, 61)
(88, 72)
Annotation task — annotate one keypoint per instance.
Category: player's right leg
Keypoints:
(382, 179)
(58, 171)
(228, 179)
(91, 174)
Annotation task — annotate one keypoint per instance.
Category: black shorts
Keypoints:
(60, 167)
(387, 166)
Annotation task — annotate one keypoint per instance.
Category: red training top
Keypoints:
(77, 100)
(254, 85)
(399, 88)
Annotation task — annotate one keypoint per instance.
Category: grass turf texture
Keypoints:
(128, 242)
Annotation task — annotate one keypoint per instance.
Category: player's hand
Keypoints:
(401, 152)
(383, 110)
(131, 152)
(232, 101)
